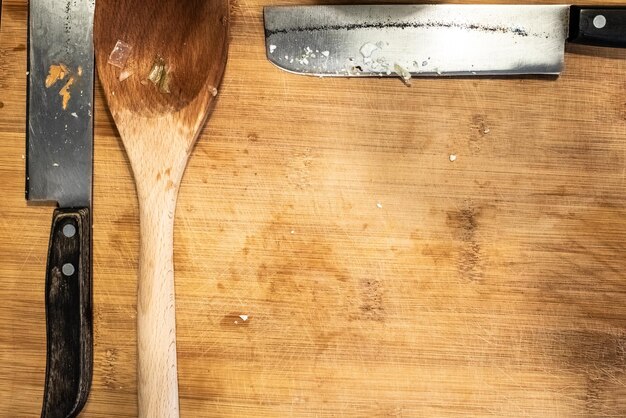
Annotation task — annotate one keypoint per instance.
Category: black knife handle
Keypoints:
(68, 314)
(599, 26)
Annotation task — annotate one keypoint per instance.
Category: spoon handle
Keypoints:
(156, 318)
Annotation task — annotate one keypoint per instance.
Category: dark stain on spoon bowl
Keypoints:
(183, 48)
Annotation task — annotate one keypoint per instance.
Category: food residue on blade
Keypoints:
(65, 92)
(367, 49)
(58, 72)
(272, 48)
(404, 74)
(304, 58)
(353, 69)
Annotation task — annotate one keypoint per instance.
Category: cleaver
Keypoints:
(434, 40)
(59, 157)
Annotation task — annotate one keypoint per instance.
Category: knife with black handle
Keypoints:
(59, 171)
(410, 40)
(68, 314)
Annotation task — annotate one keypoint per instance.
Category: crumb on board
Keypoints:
(379, 205)
(452, 158)
(240, 319)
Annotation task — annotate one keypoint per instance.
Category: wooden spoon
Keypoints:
(160, 85)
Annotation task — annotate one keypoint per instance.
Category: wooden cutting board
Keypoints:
(332, 261)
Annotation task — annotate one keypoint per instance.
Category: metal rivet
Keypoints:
(69, 230)
(599, 21)
(68, 269)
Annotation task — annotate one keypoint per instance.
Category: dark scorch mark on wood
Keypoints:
(404, 25)
(599, 358)
(465, 223)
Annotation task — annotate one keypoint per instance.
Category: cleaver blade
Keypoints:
(434, 40)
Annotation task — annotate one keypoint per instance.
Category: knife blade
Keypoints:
(434, 40)
(59, 171)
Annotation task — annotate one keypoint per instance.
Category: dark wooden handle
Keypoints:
(68, 314)
(605, 26)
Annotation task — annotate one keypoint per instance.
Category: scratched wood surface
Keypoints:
(378, 277)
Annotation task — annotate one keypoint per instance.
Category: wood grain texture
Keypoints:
(159, 127)
(378, 278)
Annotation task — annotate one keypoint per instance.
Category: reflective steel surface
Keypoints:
(60, 102)
(423, 40)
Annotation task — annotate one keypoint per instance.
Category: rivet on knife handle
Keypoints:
(597, 26)
(68, 314)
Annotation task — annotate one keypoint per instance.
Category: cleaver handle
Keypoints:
(599, 26)
(68, 314)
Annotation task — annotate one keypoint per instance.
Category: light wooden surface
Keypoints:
(378, 278)
(158, 132)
